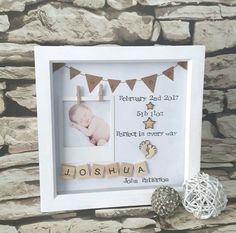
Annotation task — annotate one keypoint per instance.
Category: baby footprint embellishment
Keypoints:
(147, 149)
(152, 150)
(143, 146)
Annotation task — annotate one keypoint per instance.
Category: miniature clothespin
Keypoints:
(100, 92)
(78, 94)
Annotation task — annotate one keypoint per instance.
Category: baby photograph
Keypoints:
(86, 124)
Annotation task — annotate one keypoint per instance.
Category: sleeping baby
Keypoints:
(83, 119)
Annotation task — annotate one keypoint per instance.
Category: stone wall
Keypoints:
(25, 23)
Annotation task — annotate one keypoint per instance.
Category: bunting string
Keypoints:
(93, 80)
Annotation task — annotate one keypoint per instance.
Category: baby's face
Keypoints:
(83, 117)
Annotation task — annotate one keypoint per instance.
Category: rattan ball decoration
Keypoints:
(204, 196)
(165, 200)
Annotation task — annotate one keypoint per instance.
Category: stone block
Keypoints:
(19, 183)
(135, 223)
(93, 4)
(121, 4)
(218, 173)
(20, 209)
(16, 53)
(20, 134)
(227, 125)
(75, 225)
(4, 23)
(220, 71)
(162, 3)
(7, 229)
(17, 73)
(156, 31)
(124, 212)
(215, 35)
(219, 229)
(80, 27)
(183, 220)
(13, 160)
(24, 95)
(216, 165)
(12, 5)
(188, 12)
(228, 11)
(208, 130)
(213, 101)
(218, 150)
(175, 30)
(231, 99)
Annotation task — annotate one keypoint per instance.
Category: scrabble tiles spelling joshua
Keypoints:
(126, 169)
(67, 172)
(82, 171)
(97, 171)
(112, 170)
(104, 171)
(141, 169)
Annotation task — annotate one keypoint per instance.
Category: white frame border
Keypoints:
(45, 55)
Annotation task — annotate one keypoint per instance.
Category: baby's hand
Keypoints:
(93, 141)
(72, 124)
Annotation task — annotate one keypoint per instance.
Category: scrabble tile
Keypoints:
(126, 169)
(112, 170)
(97, 171)
(141, 169)
(82, 171)
(67, 172)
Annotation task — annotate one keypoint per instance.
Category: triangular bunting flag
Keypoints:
(113, 84)
(92, 81)
(169, 73)
(183, 64)
(57, 66)
(150, 81)
(131, 83)
(73, 72)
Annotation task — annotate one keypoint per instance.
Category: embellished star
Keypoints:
(149, 123)
(150, 106)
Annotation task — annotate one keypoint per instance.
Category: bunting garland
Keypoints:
(169, 73)
(131, 83)
(149, 81)
(183, 64)
(74, 72)
(92, 81)
(113, 84)
(57, 66)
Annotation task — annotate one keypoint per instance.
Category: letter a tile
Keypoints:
(141, 169)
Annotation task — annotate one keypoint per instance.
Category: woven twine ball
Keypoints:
(165, 200)
(204, 196)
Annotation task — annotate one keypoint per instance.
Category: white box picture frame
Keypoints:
(57, 195)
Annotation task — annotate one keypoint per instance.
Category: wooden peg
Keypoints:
(78, 94)
(100, 92)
